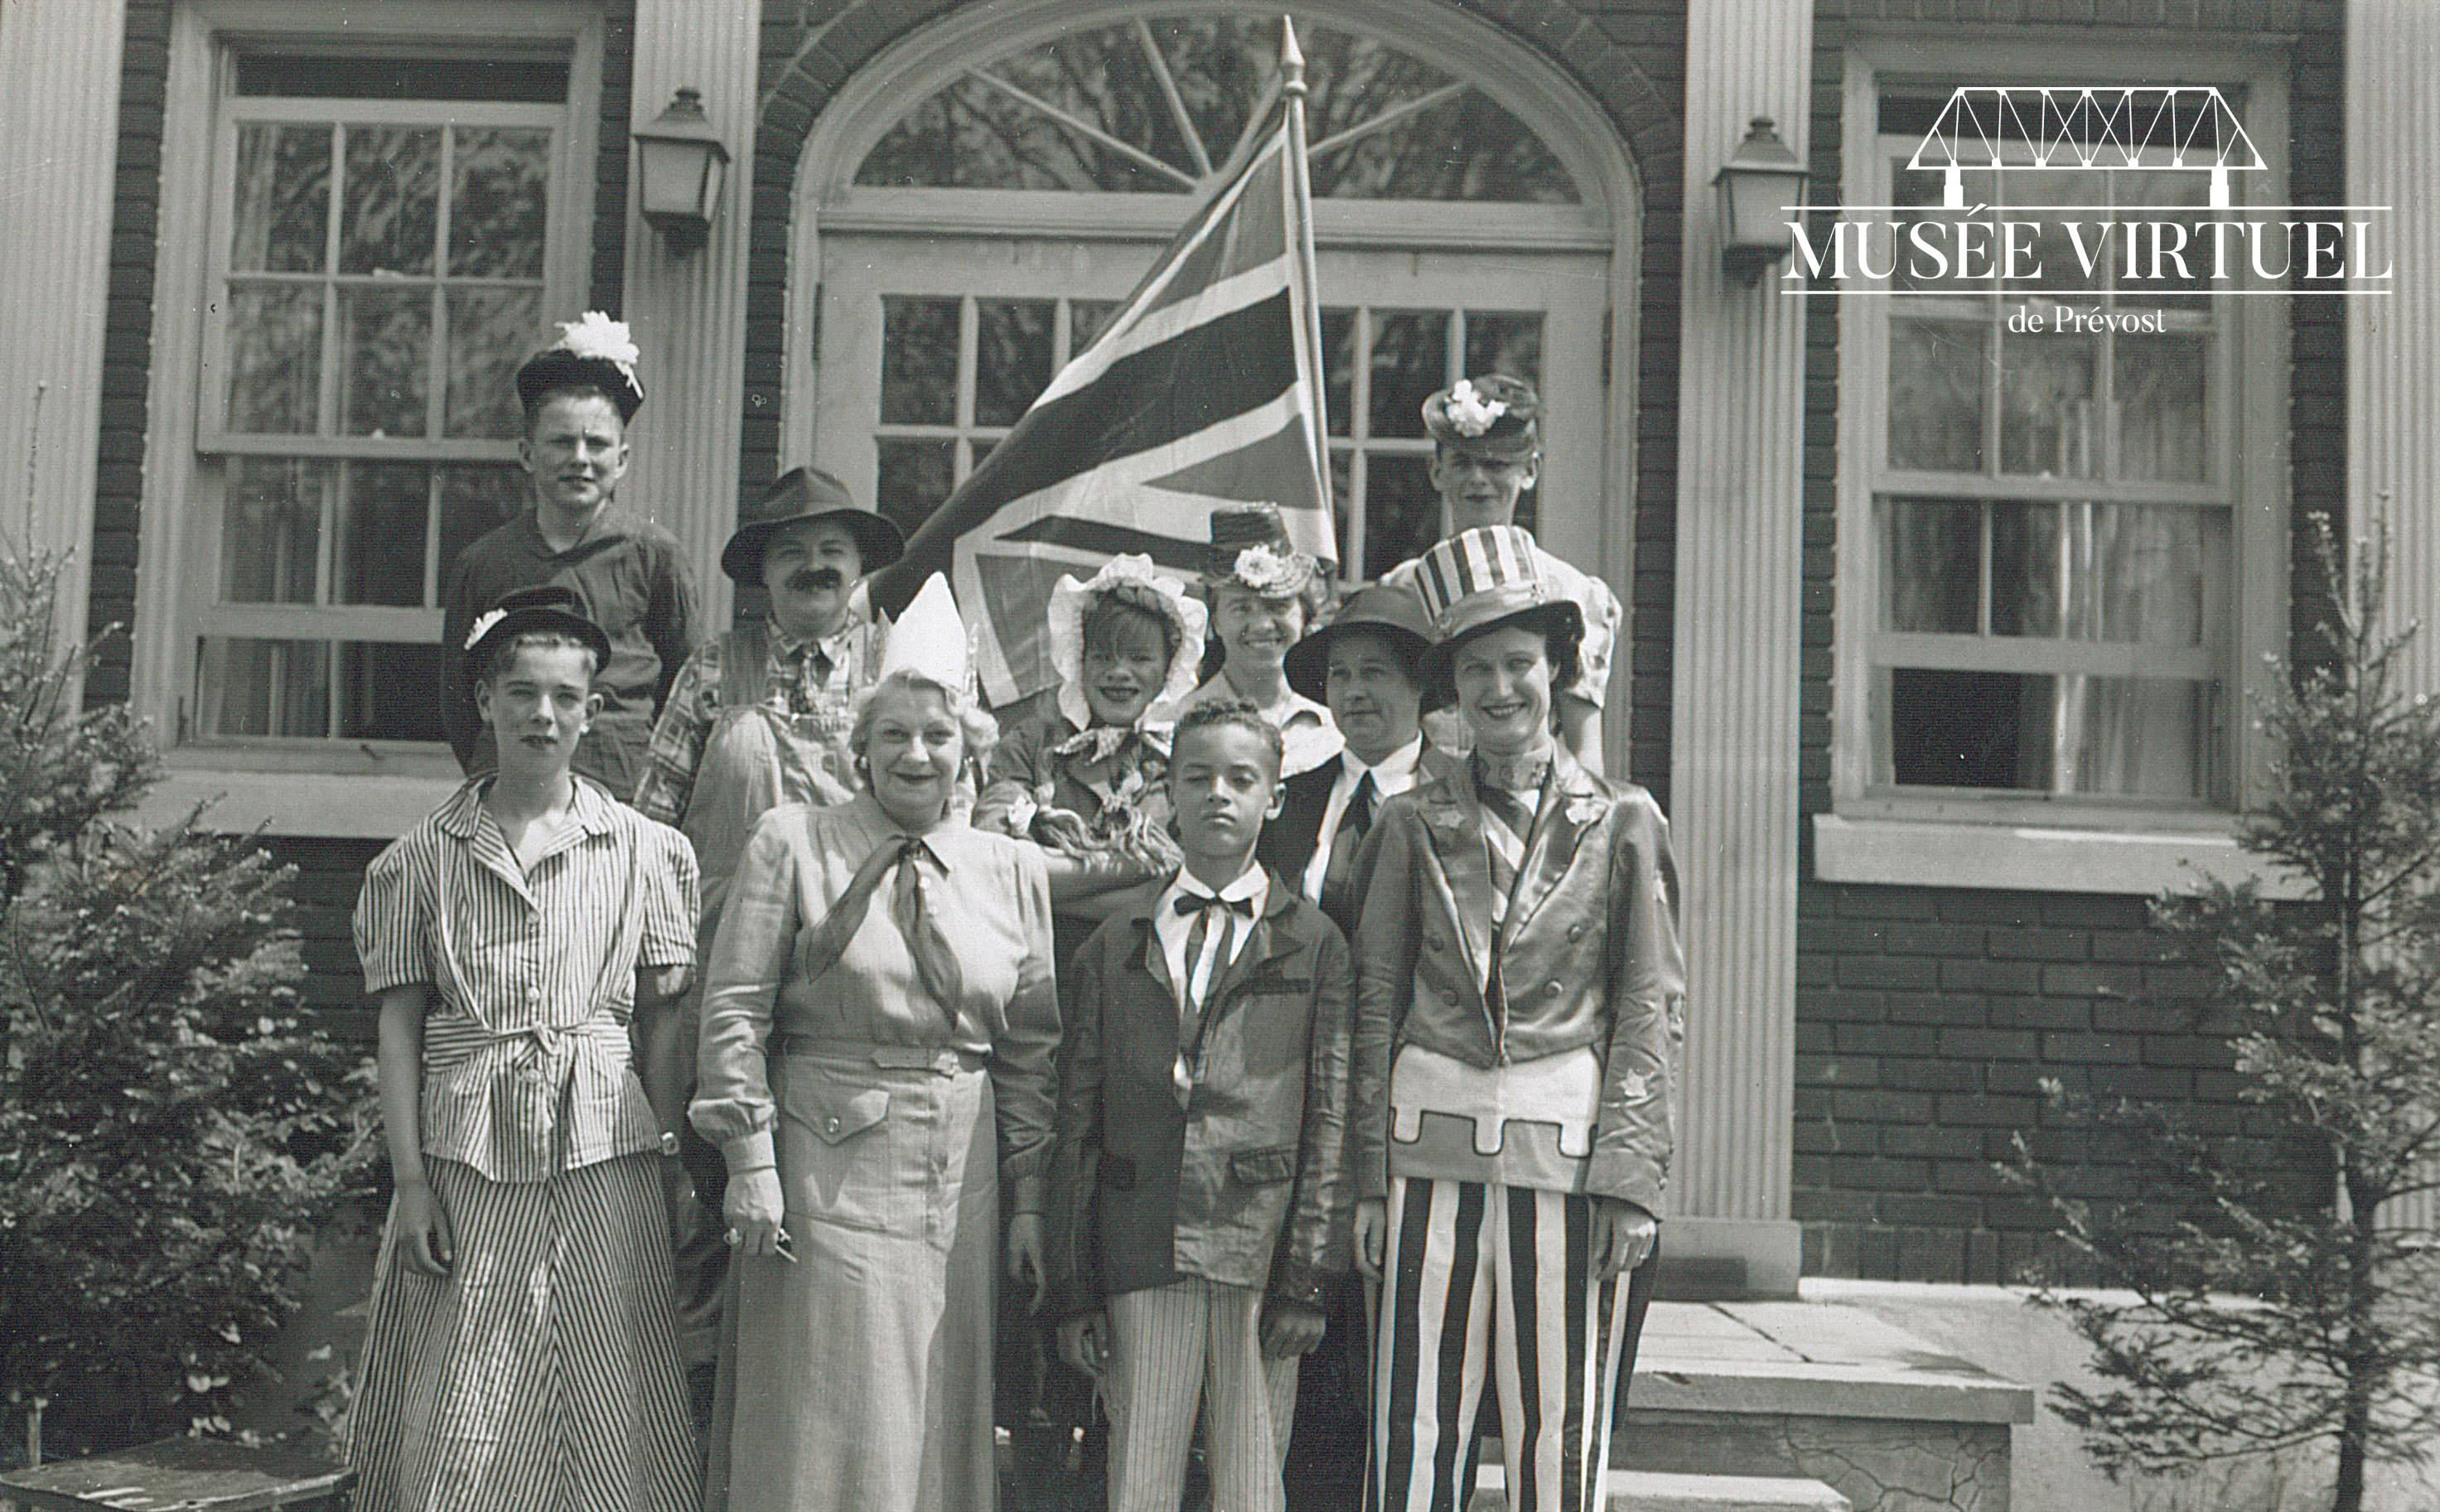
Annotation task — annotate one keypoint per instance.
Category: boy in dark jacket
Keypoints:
(1198, 1200)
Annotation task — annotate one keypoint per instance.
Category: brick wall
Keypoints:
(328, 872)
(1928, 1019)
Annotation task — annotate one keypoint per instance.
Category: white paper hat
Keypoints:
(930, 639)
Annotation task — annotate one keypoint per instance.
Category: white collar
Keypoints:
(1398, 767)
(1252, 883)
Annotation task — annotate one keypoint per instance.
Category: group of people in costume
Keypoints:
(779, 1051)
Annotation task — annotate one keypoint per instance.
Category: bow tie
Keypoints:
(1198, 902)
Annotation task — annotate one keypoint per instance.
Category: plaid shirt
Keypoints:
(822, 690)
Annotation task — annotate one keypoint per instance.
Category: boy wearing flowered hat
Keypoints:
(1486, 451)
(579, 394)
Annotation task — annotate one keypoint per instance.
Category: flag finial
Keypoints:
(1291, 59)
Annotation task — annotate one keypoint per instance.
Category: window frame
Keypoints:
(2252, 405)
(186, 456)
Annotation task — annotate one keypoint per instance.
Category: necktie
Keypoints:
(1355, 822)
(936, 964)
(1195, 981)
(1507, 826)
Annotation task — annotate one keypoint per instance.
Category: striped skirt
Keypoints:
(541, 1375)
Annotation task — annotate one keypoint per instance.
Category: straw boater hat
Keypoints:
(1393, 613)
(1490, 577)
(548, 607)
(592, 349)
(1494, 414)
(807, 493)
(1250, 548)
(1132, 579)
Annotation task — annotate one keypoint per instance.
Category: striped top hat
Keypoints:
(1490, 577)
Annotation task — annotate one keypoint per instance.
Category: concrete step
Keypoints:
(1664, 1491)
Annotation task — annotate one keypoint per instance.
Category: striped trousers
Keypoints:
(1484, 1282)
(1174, 1349)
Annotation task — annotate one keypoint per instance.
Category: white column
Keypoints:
(2393, 140)
(689, 313)
(1732, 769)
(58, 129)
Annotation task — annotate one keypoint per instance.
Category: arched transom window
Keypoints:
(970, 241)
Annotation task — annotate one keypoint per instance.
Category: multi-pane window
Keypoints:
(383, 257)
(958, 371)
(2052, 509)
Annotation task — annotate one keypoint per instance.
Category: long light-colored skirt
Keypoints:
(858, 1379)
(541, 1374)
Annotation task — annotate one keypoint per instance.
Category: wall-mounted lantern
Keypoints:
(680, 164)
(1756, 187)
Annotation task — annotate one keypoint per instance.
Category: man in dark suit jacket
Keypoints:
(1366, 664)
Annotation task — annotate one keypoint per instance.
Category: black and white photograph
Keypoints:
(1219, 755)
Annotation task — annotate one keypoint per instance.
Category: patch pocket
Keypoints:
(840, 1156)
(1263, 1167)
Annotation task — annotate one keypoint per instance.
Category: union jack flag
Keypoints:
(1205, 389)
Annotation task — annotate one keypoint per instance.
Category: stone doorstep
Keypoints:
(1656, 1491)
(1809, 1360)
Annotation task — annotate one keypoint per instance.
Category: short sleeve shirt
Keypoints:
(526, 1061)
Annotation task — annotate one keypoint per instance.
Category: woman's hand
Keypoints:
(422, 1230)
(1623, 1236)
(1084, 1342)
(1025, 1255)
(753, 1208)
(1371, 1235)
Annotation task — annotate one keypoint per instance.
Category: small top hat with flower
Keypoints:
(592, 350)
(1251, 549)
(1494, 414)
(546, 606)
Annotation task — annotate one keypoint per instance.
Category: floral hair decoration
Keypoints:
(1470, 412)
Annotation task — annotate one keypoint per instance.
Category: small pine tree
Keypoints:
(170, 1131)
(2275, 1314)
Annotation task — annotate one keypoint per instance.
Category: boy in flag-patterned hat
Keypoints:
(1486, 451)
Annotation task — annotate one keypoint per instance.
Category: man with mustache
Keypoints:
(757, 718)
(579, 394)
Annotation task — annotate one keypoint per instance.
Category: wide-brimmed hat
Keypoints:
(594, 350)
(1250, 548)
(807, 493)
(546, 606)
(1135, 580)
(1393, 613)
(1495, 413)
(1489, 578)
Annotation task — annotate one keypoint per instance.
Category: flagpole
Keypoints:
(1299, 182)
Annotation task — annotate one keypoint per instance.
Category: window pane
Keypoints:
(1504, 341)
(393, 199)
(2142, 573)
(498, 197)
(536, 79)
(1086, 320)
(275, 358)
(1919, 195)
(2162, 280)
(2050, 250)
(1402, 512)
(488, 333)
(1410, 361)
(1465, 148)
(271, 529)
(1931, 565)
(919, 360)
(474, 501)
(274, 687)
(1012, 358)
(1342, 493)
(389, 692)
(914, 479)
(2025, 570)
(1338, 368)
(1936, 395)
(280, 220)
(385, 347)
(380, 546)
(2160, 417)
(2046, 419)
(2109, 736)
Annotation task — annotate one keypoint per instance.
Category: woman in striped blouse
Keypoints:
(520, 1353)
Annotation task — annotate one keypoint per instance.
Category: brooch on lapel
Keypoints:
(1585, 808)
(1636, 1086)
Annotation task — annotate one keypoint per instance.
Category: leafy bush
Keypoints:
(171, 1132)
